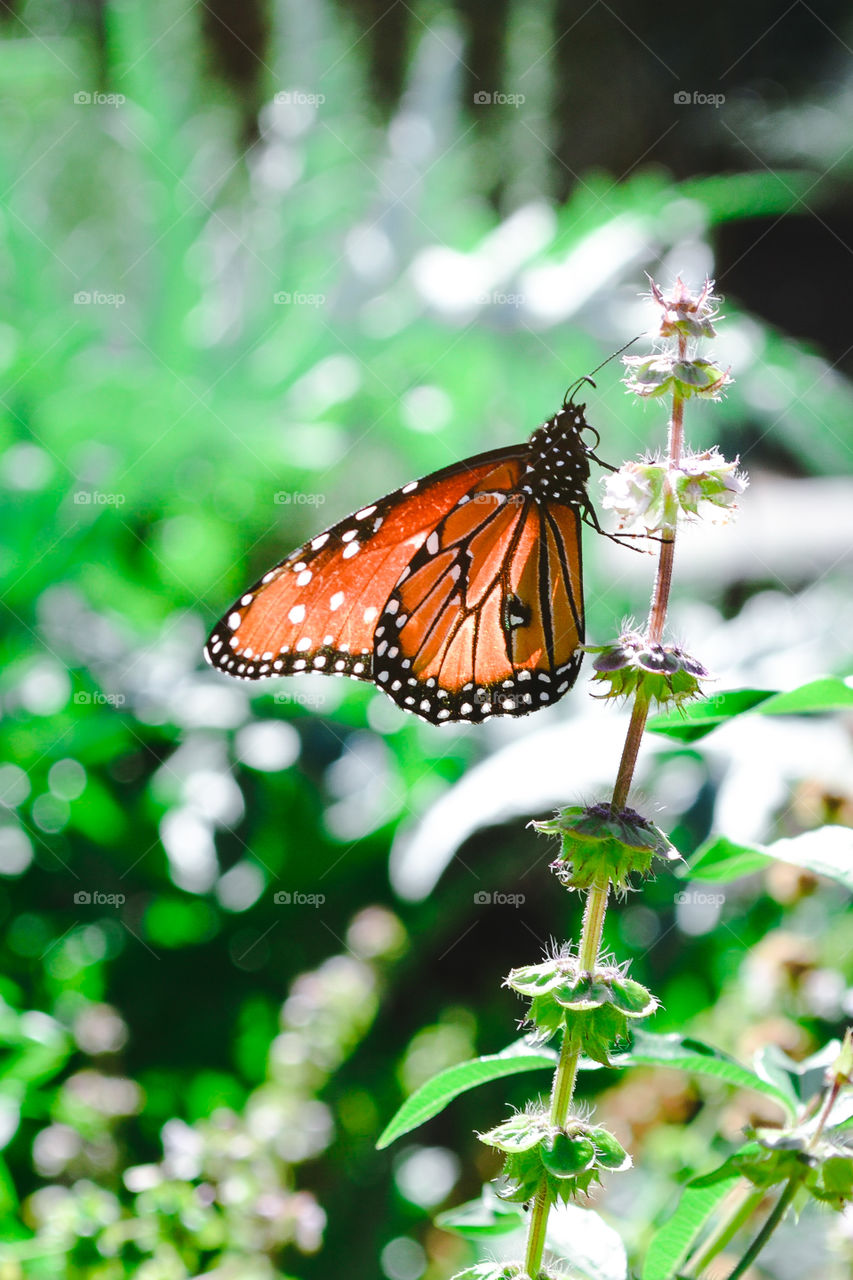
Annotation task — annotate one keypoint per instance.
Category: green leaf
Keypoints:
(671, 1243)
(827, 851)
(825, 694)
(699, 718)
(480, 1219)
(719, 860)
(685, 1054)
(803, 1080)
(432, 1097)
(729, 1168)
(582, 1238)
(828, 693)
(773, 1066)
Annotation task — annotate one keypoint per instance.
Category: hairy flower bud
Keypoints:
(594, 1008)
(665, 672)
(568, 1157)
(600, 845)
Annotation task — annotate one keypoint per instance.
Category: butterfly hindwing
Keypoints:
(488, 616)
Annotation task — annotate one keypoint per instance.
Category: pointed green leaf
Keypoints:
(827, 851)
(672, 1242)
(699, 718)
(686, 1054)
(582, 1238)
(802, 1080)
(828, 693)
(480, 1219)
(432, 1097)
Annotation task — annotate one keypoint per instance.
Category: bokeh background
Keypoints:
(260, 263)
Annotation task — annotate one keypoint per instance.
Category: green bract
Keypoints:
(825, 1167)
(600, 845)
(663, 375)
(665, 672)
(594, 1007)
(568, 1158)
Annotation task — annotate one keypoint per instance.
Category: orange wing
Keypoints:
(489, 615)
(317, 610)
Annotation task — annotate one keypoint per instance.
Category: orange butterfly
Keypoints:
(459, 595)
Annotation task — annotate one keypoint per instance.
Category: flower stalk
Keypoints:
(640, 665)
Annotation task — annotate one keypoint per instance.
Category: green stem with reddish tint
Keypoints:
(565, 1077)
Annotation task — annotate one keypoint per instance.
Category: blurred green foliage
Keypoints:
(210, 348)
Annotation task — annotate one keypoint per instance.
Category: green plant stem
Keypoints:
(536, 1233)
(630, 751)
(743, 1200)
(565, 1077)
(774, 1218)
(595, 908)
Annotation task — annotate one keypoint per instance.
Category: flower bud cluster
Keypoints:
(651, 495)
(601, 846)
(594, 1008)
(664, 672)
(567, 1159)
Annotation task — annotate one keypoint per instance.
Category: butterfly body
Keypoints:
(459, 595)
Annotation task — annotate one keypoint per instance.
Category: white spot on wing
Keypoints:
(351, 550)
(297, 613)
(234, 620)
(319, 541)
(365, 511)
(336, 601)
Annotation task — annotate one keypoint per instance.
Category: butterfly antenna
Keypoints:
(587, 377)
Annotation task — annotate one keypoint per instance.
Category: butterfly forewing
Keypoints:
(317, 610)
